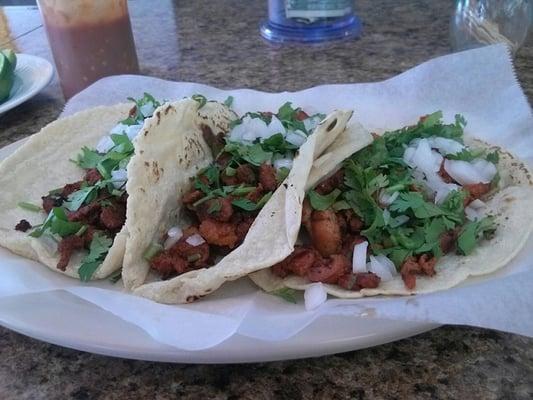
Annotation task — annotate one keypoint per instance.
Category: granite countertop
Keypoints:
(201, 41)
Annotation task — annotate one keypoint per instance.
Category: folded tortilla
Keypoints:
(510, 205)
(167, 156)
(43, 164)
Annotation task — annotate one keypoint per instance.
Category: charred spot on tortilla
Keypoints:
(156, 171)
(141, 151)
(509, 199)
(146, 163)
(167, 109)
(285, 186)
(158, 116)
(331, 125)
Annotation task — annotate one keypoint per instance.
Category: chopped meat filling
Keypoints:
(23, 225)
(423, 265)
(66, 247)
(267, 177)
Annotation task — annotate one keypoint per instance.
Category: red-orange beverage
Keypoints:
(90, 39)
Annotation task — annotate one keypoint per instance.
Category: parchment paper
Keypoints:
(480, 84)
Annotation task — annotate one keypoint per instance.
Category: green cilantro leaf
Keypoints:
(245, 204)
(29, 206)
(322, 202)
(229, 101)
(415, 201)
(88, 158)
(98, 249)
(215, 207)
(282, 173)
(84, 195)
(286, 294)
(472, 232)
(202, 100)
(493, 157)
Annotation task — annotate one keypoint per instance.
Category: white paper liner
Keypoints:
(479, 84)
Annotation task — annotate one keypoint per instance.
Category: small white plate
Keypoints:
(31, 76)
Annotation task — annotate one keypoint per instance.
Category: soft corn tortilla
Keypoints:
(511, 207)
(175, 145)
(43, 164)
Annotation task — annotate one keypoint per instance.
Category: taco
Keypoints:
(419, 210)
(203, 212)
(63, 201)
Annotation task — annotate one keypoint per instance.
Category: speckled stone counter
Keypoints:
(202, 41)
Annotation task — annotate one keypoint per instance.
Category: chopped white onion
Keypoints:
(477, 204)
(133, 130)
(283, 163)
(446, 146)
(175, 231)
(408, 155)
(119, 177)
(119, 128)
(359, 257)
(467, 173)
(104, 145)
(147, 110)
(425, 159)
(387, 199)
(315, 295)
(296, 138)
(273, 128)
(311, 123)
(472, 214)
(170, 241)
(381, 267)
(195, 240)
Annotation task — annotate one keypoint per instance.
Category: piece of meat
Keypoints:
(301, 115)
(192, 197)
(267, 177)
(219, 233)
(245, 174)
(307, 212)
(279, 270)
(89, 214)
(221, 207)
(367, 280)
(88, 236)
(50, 202)
(66, 247)
(168, 264)
(355, 224)
(70, 188)
(443, 174)
(329, 270)
(424, 265)
(223, 159)
(256, 194)
(92, 176)
(113, 217)
(348, 243)
(229, 180)
(326, 232)
(243, 227)
(427, 264)
(447, 241)
(408, 271)
(196, 256)
(347, 281)
(331, 183)
(476, 190)
(23, 225)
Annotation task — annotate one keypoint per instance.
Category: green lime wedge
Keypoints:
(6, 77)
(11, 57)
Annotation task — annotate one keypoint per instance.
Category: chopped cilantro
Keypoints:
(229, 101)
(415, 201)
(98, 249)
(84, 195)
(474, 231)
(29, 206)
(282, 173)
(215, 207)
(57, 223)
(286, 294)
(245, 204)
(322, 202)
(200, 99)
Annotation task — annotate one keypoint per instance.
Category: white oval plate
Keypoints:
(32, 74)
(63, 319)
